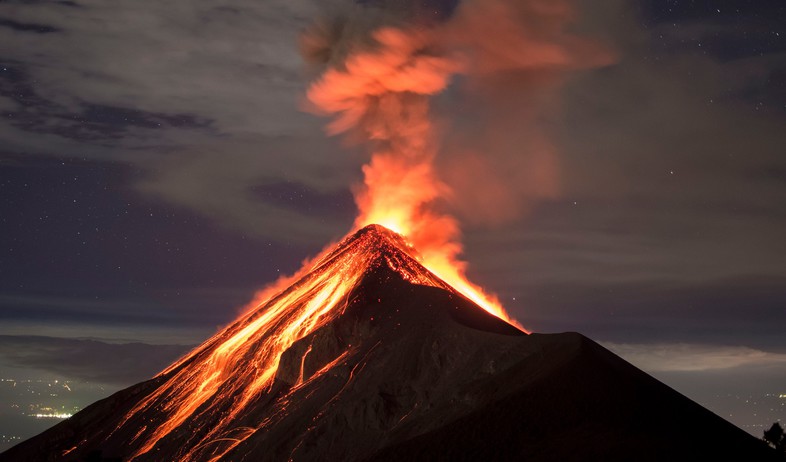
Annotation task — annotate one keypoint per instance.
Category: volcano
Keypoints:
(369, 356)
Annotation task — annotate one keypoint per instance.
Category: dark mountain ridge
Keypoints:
(408, 369)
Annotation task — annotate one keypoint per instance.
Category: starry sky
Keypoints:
(157, 167)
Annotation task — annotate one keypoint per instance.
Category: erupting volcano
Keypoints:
(380, 348)
(368, 355)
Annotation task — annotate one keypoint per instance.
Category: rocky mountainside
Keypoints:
(398, 366)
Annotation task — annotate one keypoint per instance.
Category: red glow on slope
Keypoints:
(218, 370)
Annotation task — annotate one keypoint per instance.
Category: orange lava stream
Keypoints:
(271, 329)
(239, 363)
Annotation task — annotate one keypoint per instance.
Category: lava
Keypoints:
(217, 371)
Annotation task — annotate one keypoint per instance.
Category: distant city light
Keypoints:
(51, 416)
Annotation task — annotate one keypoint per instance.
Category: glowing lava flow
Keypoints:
(218, 371)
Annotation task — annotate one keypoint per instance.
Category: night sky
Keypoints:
(157, 168)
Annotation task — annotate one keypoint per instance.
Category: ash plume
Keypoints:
(381, 69)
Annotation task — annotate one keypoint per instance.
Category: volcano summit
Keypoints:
(370, 356)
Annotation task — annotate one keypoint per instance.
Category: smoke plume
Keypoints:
(381, 72)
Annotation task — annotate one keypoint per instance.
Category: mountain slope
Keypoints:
(591, 406)
(369, 356)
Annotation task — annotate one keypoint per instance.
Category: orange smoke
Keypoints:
(383, 94)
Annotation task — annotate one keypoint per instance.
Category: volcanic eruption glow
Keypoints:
(379, 93)
(383, 94)
(316, 297)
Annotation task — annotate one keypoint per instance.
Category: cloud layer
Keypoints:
(203, 98)
(89, 360)
(660, 357)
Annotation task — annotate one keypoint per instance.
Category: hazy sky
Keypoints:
(156, 168)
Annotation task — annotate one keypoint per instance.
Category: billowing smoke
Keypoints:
(482, 157)
(382, 94)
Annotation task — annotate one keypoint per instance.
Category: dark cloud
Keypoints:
(28, 112)
(153, 91)
(88, 360)
(739, 312)
(140, 312)
(685, 357)
(27, 27)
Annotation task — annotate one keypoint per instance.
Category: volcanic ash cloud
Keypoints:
(381, 71)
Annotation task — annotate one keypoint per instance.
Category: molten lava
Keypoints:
(198, 386)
